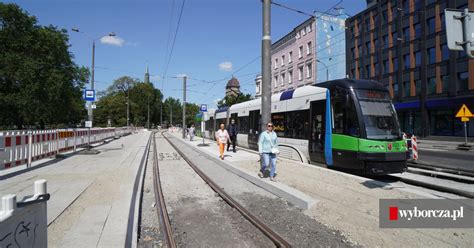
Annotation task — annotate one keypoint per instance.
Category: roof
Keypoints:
(353, 83)
(233, 82)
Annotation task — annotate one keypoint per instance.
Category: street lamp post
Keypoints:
(327, 69)
(90, 111)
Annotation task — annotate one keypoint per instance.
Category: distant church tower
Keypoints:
(147, 76)
(233, 87)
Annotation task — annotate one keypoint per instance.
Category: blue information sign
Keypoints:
(89, 95)
(203, 108)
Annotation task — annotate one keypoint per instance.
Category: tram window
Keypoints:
(345, 115)
(243, 124)
(293, 124)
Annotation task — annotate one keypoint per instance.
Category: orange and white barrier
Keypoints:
(24, 147)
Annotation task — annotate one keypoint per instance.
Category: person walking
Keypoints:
(222, 136)
(192, 132)
(233, 131)
(268, 150)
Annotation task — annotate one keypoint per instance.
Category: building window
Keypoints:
(367, 25)
(384, 16)
(282, 60)
(309, 70)
(367, 45)
(290, 57)
(406, 89)
(353, 52)
(367, 69)
(395, 64)
(308, 28)
(418, 4)
(394, 12)
(406, 7)
(282, 79)
(303, 31)
(406, 61)
(308, 48)
(445, 51)
(276, 63)
(395, 89)
(359, 48)
(300, 52)
(385, 41)
(445, 82)
(431, 86)
(431, 55)
(275, 82)
(431, 24)
(290, 77)
(463, 81)
(417, 58)
(376, 44)
(298, 35)
(417, 28)
(385, 66)
(443, 22)
(406, 34)
(394, 37)
(417, 87)
(376, 69)
(300, 73)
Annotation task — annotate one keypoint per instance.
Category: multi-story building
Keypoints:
(403, 45)
(312, 52)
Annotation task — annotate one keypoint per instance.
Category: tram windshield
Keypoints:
(380, 118)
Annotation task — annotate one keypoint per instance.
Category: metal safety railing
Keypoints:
(24, 147)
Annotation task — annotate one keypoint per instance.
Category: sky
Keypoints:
(216, 39)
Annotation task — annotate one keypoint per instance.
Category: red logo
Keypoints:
(393, 213)
(389, 146)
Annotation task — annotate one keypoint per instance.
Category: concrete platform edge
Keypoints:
(293, 196)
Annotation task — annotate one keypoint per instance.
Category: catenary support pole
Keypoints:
(266, 66)
(184, 107)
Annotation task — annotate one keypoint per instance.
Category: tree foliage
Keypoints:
(230, 100)
(39, 82)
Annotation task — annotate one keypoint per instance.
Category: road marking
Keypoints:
(433, 149)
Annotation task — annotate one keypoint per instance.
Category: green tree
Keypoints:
(39, 83)
(231, 100)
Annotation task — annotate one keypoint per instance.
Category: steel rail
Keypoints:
(160, 200)
(438, 168)
(272, 235)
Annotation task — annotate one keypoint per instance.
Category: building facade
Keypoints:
(232, 89)
(312, 52)
(402, 43)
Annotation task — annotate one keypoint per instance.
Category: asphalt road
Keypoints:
(450, 159)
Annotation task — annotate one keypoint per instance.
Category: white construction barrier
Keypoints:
(24, 224)
(24, 147)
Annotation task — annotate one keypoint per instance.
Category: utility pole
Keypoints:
(266, 66)
(128, 104)
(184, 107)
(92, 81)
(148, 114)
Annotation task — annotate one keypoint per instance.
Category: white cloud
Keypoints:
(112, 40)
(225, 66)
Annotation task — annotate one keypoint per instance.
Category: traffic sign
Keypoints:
(93, 106)
(459, 29)
(89, 95)
(464, 112)
(203, 108)
(465, 119)
(88, 124)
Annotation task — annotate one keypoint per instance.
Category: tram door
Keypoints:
(254, 129)
(316, 139)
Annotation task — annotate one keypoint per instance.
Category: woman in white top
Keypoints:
(222, 137)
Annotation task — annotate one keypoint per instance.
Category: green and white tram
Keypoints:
(344, 124)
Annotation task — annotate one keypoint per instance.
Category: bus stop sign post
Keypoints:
(203, 110)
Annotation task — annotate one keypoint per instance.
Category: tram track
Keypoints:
(160, 203)
(278, 240)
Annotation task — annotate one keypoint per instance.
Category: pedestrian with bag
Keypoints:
(268, 150)
(233, 131)
(222, 136)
